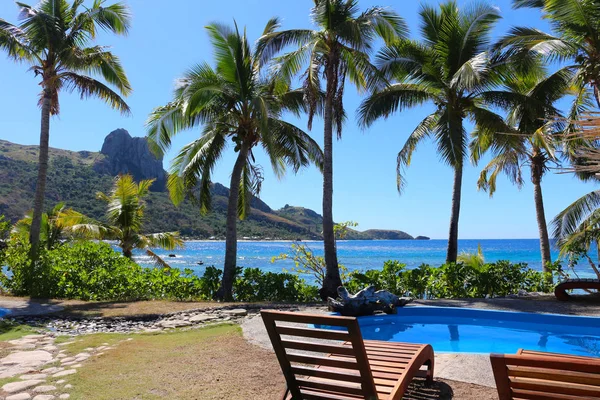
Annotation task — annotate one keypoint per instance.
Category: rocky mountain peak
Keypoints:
(131, 155)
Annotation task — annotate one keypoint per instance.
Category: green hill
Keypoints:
(75, 177)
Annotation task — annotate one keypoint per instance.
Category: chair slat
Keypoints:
(573, 389)
(317, 347)
(321, 360)
(555, 375)
(332, 386)
(533, 395)
(327, 374)
(313, 333)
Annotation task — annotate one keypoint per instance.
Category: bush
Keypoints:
(94, 271)
(455, 280)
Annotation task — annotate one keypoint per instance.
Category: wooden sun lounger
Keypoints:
(560, 291)
(536, 375)
(337, 364)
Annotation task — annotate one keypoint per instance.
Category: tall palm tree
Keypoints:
(533, 138)
(337, 50)
(576, 24)
(125, 215)
(450, 67)
(237, 101)
(54, 38)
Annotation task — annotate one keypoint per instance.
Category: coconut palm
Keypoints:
(338, 49)
(450, 67)
(125, 215)
(54, 38)
(533, 140)
(234, 101)
(58, 224)
(576, 24)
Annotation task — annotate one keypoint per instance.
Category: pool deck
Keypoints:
(470, 368)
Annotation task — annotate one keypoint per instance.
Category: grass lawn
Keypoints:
(210, 363)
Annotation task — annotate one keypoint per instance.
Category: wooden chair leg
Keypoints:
(430, 364)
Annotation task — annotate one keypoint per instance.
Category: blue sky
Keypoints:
(165, 40)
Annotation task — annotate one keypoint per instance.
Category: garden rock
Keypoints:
(14, 387)
(19, 396)
(33, 358)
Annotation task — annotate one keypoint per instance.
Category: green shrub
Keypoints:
(455, 280)
(256, 285)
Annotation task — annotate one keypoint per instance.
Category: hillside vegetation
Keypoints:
(73, 179)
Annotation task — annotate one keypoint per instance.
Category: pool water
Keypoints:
(465, 330)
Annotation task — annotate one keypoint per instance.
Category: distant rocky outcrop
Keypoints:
(422, 238)
(131, 155)
(381, 234)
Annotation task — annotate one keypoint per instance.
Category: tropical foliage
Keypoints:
(55, 39)
(533, 138)
(235, 101)
(125, 215)
(337, 50)
(452, 68)
(453, 280)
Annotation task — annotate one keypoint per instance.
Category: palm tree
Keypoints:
(233, 101)
(53, 38)
(125, 215)
(577, 40)
(58, 224)
(533, 139)
(338, 49)
(450, 68)
(577, 228)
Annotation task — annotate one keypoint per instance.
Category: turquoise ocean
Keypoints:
(357, 254)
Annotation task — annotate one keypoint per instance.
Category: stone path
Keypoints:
(184, 319)
(39, 368)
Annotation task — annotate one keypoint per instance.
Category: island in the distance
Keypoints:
(76, 177)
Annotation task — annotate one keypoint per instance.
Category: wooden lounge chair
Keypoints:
(337, 364)
(536, 375)
(560, 291)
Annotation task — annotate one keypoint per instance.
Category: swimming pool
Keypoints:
(466, 330)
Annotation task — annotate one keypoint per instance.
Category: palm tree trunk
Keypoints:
(537, 170)
(452, 252)
(40, 189)
(332, 275)
(225, 292)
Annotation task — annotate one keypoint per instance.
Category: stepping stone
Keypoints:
(67, 359)
(176, 323)
(17, 342)
(64, 396)
(86, 355)
(50, 347)
(44, 388)
(27, 358)
(68, 386)
(64, 373)
(34, 336)
(52, 370)
(44, 397)
(15, 387)
(24, 346)
(61, 355)
(19, 396)
(14, 371)
(33, 376)
(237, 312)
(201, 318)
(60, 381)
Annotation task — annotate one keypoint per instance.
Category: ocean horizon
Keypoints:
(358, 255)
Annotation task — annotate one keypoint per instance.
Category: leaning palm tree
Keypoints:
(237, 101)
(337, 50)
(125, 215)
(53, 38)
(450, 67)
(534, 137)
(576, 24)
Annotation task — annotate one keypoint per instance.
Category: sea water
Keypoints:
(356, 254)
